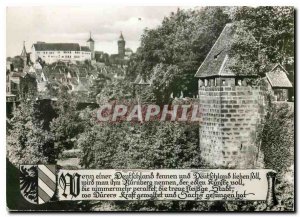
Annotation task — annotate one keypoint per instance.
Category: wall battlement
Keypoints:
(231, 122)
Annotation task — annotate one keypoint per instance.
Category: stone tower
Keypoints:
(24, 55)
(91, 45)
(121, 46)
(232, 111)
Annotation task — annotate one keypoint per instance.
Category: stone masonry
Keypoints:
(231, 121)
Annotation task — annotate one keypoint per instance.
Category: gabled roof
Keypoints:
(140, 80)
(216, 60)
(278, 77)
(56, 47)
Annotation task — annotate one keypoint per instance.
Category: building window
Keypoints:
(205, 82)
(223, 82)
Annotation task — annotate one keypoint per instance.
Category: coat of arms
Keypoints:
(37, 183)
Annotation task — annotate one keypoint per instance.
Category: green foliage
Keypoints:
(115, 90)
(153, 145)
(150, 145)
(277, 137)
(68, 124)
(272, 29)
(183, 41)
(163, 82)
(17, 62)
(27, 141)
(285, 189)
(98, 84)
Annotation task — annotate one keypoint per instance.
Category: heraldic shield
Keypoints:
(37, 182)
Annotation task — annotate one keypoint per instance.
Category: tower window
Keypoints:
(238, 82)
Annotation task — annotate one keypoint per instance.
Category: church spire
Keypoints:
(121, 38)
(90, 39)
(24, 53)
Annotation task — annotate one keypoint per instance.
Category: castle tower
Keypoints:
(232, 111)
(91, 45)
(24, 55)
(121, 46)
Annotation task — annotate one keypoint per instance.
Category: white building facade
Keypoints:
(53, 52)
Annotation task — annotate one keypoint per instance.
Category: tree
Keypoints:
(182, 40)
(27, 141)
(68, 124)
(165, 80)
(98, 84)
(18, 62)
(269, 39)
(153, 145)
(116, 89)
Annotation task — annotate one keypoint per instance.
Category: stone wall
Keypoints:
(231, 121)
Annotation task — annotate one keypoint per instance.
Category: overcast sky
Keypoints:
(72, 24)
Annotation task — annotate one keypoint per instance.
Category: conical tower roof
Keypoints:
(121, 38)
(24, 52)
(90, 39)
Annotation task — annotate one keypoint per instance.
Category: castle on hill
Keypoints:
(73, 52)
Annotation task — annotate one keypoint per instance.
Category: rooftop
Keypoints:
(278, 77)
(121, 38)
(85, 48)
(141, 81)
(215, 63)
(90, 39)
(56, 47)
(24, 52)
